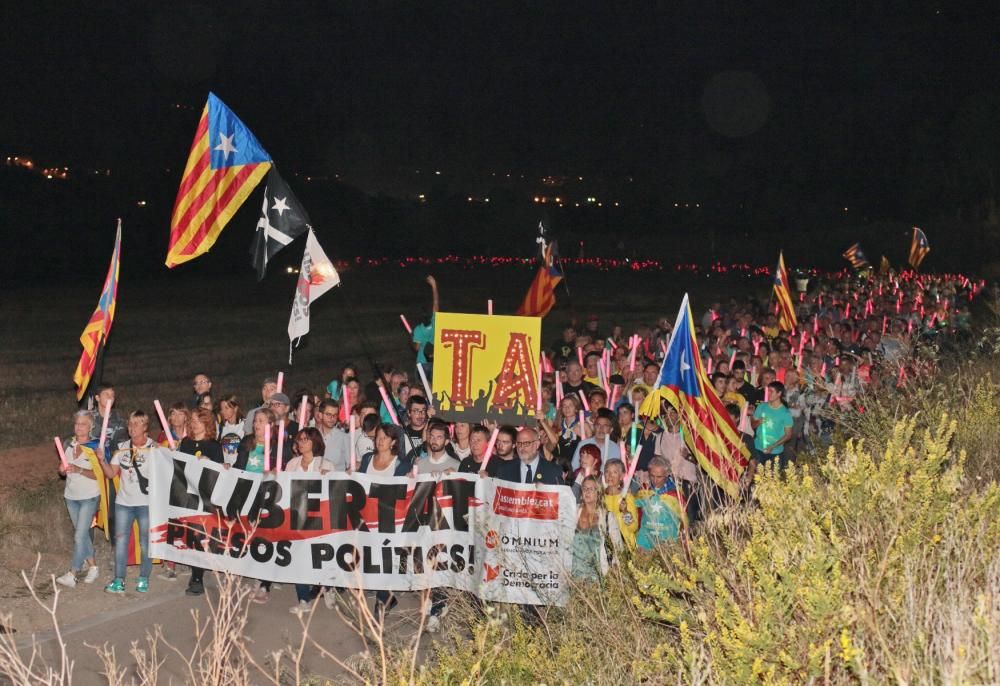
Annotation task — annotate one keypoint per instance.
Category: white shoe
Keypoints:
(92, 575)
(330, 599)
(433, 624)
(68, 580)
(300, 608)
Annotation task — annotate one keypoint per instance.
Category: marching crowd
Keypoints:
(782, 389)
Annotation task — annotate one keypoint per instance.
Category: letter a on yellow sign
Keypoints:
(486, 367)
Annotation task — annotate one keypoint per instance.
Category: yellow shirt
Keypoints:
(630, 527)
(734, 397)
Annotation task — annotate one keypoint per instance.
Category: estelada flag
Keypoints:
(541, 296)
(856, 257)
(919, 247)
(786, 306)
(225, 164)
(95, 333)
(708, 430)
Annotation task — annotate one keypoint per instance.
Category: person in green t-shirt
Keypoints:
(772, 422)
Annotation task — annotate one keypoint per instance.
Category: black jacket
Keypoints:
(547, 473)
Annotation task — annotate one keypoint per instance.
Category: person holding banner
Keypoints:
(531, 467)
(435, 456)
(250, 456)
(128, 469)
(386, 460)
(201, 443)
(309, 448)
(82, 495)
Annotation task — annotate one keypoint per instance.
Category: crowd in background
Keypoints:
(782, 388)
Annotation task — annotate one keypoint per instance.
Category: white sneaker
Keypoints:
(433, 624)
(68, 580)
(92, 575)
(300, 608)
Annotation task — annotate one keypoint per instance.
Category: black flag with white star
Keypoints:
(282, 220)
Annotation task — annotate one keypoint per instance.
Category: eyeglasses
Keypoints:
(331, 415)
(526, 444)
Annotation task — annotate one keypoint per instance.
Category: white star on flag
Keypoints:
(280, 205)
(226, 145)
(685, 367)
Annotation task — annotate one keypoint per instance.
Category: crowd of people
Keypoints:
(782, 388)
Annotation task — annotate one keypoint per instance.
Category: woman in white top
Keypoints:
(130, 465)
(82, 494)
(308, 442)
(231, 417)
(309, 449)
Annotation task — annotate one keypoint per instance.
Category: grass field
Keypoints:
(235, 330)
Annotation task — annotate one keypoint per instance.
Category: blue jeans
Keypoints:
(124, 516)
(81, 513)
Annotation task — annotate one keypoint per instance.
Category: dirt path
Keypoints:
(36, 520)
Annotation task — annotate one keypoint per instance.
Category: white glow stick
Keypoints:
(104, 429)
(388, 405)
(406, 324)
(281, 445)
(538, 399)
(427, 386)
(267, 447)
(281, 381)
(302, 412)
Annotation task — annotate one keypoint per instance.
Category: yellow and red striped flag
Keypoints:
(541, 296)
(96, 332)
(709, 432)
(225, 164)
(783, 294)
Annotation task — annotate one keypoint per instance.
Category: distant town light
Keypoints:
(141, 203)
(437, 173)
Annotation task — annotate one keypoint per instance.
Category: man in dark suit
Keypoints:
(531, 467)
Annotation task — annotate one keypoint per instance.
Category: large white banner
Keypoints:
(502, 541)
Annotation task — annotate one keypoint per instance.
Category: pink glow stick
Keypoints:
(756, 347)
(104, 429)
(732, 360)
(579, 355)
(631, 354)
(346, 404)
(583, 425)
(388, 405)
(406, 324)
(710, 361)
(822, 371)
(583, 399)
(281, 444)
(489, 450)
(631, 471)
(614, 394)
(816, 324)
(663, 347)
(902, 376)
(489, 306)
(62, 454)
(847, 311)
(163, 423)
(885, 323)
(281, 381)
(354, 454)
(767, 394)
(744, 417)
(614, 346)
(559, 392)
(302, 412)
(621, 451)
(538, 398)
(267, 447)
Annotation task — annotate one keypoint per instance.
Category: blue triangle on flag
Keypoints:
(231, 143)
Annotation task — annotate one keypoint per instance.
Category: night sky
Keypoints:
(732, 103)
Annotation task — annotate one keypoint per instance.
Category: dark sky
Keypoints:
(827, 91)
